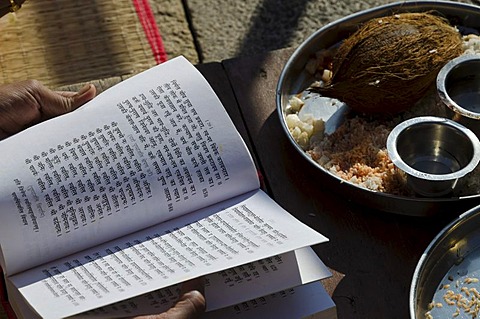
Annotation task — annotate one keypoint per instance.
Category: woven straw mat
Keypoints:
(61, 42)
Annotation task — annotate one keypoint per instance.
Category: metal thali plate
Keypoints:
(449, 271)
(294, 79)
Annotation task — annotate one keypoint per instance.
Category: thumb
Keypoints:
(57, 103)
(190, 305)
(85, 94)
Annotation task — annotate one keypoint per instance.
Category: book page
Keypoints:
(228, 287)
(307, 301)
(232, 233)
(263, 277)
(151, 148)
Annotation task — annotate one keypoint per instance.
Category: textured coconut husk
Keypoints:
(390, 62)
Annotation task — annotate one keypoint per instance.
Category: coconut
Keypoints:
(389, 63)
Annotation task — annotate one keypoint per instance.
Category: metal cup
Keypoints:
(435, 153)
(458, 87)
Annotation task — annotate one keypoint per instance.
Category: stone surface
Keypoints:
(229, 28)
(171, 18)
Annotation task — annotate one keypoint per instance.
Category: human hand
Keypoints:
(190, 305)
(26, 103)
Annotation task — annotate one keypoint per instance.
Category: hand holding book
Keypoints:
(25, 103)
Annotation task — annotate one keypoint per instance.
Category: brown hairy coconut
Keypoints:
(390, 62)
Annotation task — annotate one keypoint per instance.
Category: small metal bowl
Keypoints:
(458, 87)
(434, 152)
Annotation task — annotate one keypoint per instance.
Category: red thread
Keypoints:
(147, 19)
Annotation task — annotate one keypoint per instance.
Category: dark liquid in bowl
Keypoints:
(439, 164)
(431, 167)
(467, 94)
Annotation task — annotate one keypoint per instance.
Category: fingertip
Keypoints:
(85, 94)
(193, 295)
(195, 299)
(193, 284)
(88, 91)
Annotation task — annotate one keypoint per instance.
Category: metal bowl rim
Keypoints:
(420, 267)
(442, 90)
(401, 164)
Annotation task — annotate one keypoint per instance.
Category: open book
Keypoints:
(105, 211)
